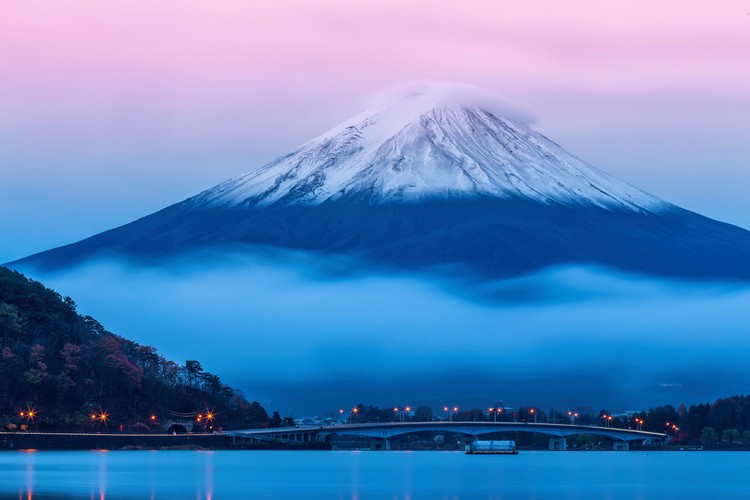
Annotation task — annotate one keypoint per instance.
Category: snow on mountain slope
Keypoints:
(431, 181)
(443, 141)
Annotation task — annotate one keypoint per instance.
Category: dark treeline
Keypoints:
(725, 423)
(67, 367)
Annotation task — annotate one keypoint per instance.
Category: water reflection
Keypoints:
(102, 475)
(29, 484)
(397, 475)
(107, 474)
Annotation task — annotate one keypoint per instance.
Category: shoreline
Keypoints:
(81, 441)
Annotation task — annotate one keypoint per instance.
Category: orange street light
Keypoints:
(354, 411)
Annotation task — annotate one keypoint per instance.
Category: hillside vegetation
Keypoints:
(68, 367)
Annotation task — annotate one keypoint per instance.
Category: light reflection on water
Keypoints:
(205, 475)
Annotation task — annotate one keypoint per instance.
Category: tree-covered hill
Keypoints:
(68, 367)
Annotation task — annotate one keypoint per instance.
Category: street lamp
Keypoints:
(450, 412)
(533, 412)
(29, 414)
(102, 418)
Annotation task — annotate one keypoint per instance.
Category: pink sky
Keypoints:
(149, 49)
(131, 105)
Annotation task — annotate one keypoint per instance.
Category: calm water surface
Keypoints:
(364, 475)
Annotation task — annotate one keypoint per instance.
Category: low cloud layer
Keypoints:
(301, 340)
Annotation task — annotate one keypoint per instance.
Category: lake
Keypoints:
(364, 475)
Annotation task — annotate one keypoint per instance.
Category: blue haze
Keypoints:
(301, 334)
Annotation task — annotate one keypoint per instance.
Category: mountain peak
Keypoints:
(429, 141)
(436, 180)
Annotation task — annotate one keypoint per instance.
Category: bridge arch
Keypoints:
(478, 430)
(177, 428)
(383, 432)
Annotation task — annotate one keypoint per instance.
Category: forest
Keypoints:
(60, 370)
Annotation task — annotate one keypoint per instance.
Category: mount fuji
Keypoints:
(436, 178)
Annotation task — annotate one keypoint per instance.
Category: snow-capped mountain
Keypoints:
(434, 143)
(433, 179)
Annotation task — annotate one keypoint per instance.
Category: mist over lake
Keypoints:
(310, 334)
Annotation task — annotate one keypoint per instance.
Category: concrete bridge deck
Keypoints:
(383, 432)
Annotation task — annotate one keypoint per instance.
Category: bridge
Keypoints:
(381, 433)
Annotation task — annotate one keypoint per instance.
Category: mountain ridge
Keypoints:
(427, 181)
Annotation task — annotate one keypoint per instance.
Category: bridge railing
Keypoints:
(462, 426)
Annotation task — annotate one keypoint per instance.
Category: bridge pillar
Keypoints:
(380, 444)
(620, 446)
(558, 444)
